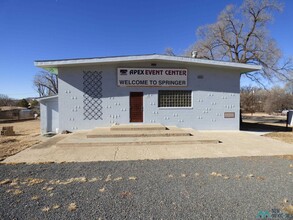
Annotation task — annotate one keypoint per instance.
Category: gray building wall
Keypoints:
(216, 93)
(49, 115)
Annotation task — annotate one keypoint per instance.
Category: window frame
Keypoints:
(185, 107)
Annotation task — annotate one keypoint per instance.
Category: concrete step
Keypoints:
(153, 134)
(106, 132)
(137, 127)
(75, 141)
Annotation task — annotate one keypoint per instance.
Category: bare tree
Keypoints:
(277, 100)
(5, 100)
(289, 84)
(240, 35)
(248, 99)
(169, 51)
(256, 99)
(46, 83)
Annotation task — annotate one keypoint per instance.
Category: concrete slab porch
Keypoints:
(234, 144)
(133, 135)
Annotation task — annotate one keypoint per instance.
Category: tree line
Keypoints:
(5, 100)
(274, 100)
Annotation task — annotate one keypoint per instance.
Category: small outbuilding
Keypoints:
(49, 114)
(170, 90)
(15, 113)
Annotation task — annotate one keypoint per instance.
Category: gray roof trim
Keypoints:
(46, 98)
(90, 58)
(137, 58)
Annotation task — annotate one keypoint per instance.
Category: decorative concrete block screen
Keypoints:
(92, 96)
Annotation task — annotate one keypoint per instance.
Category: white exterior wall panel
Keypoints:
(216, 93)
(49, 115)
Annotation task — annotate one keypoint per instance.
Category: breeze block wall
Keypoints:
(99, 102)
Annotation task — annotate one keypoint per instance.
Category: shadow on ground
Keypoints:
(249, 126)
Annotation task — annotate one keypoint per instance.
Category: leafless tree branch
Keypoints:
(241, 35)
(46, 83)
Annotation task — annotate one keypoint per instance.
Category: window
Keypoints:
(174, 98)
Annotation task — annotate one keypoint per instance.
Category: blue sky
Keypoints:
(55, 29)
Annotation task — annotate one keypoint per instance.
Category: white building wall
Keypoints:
(49, 115)
(216, 93)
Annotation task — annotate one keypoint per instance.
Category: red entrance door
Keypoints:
(136, 107)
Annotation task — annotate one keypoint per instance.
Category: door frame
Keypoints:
(142, 107)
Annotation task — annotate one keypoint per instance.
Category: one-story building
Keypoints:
(170, 90)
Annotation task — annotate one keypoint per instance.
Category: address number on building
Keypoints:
(151, 77)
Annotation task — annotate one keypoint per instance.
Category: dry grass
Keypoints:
(126, 194)
(33, 181)
(72, 207)
(35, 198)
(117, 179)
(27, 134)
(289, 209)
(46, 209)
(15, 184)
(102, 189)
(216, 174)
(260, 178)
(6, 181)
(287, 157)
(55, 206)
(132, 178)
(17, 192)
(47, 188)
(71, 180)
(93, 179)
(108, 178)
(281, 136)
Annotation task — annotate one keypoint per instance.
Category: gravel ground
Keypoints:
(226, 188)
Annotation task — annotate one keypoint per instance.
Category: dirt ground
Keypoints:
(281, 136)
(275, 124)
(27, 133)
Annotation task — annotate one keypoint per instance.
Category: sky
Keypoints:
(57, 29)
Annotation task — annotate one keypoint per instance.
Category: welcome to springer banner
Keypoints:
(151, 77)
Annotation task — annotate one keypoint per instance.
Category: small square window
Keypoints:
(174, 98)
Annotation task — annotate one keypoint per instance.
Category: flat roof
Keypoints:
(45, 98)
(146, 57)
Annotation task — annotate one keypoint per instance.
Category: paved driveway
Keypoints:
(234, 144)
(223, 188)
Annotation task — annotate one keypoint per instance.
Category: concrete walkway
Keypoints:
(234, 144)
